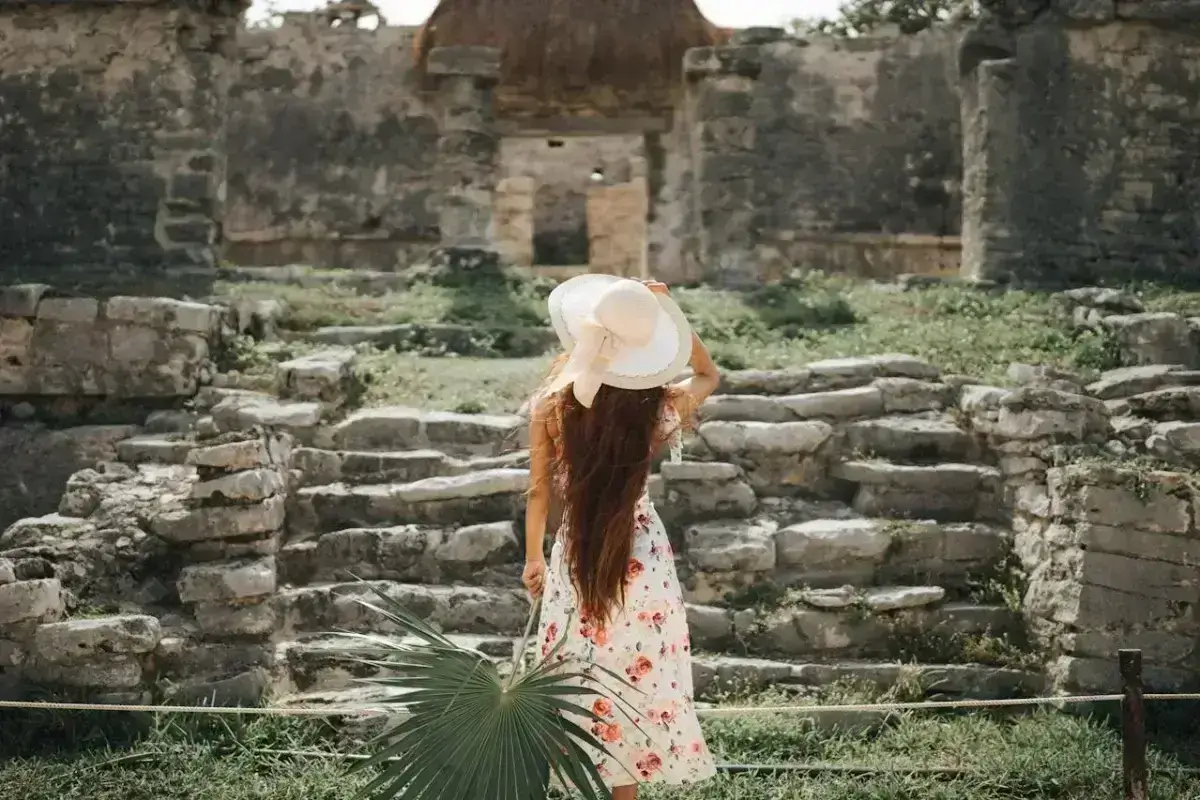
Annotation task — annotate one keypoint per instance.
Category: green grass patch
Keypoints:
(1044, 755)
(509, 303)
(959, 329)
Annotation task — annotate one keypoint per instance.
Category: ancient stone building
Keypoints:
(112, 142)
(141, 143)
(752, 152)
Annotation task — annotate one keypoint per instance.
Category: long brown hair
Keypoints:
(604, 459)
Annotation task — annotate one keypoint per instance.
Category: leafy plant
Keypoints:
(470, 732)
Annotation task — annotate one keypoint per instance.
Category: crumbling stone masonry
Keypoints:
(1082, 142)
(113, 146)
(77, 374)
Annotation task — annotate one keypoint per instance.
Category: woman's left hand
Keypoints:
(534, 577)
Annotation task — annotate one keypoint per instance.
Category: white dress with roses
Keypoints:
(651, 729)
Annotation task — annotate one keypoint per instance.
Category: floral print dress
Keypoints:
(650, 728)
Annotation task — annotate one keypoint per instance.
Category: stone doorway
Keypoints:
(567, 204)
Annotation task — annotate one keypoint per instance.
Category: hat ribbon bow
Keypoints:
(594, 350)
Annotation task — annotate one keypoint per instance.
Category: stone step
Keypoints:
(911, 439)
(328, 663)
(155, 448)
(318, 679)
(720, 674)
(1170, 404)
(488, 553)
(490, 495)
(319, 466)
(881, 396)
(950, 492)
(744, 556)
(885, 621)
(393, 428)
(1128, 381)
(454, 609)
(828, 375)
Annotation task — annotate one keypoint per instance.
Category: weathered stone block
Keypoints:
(766, 382)
(1151, 505)
(327, 376)
(229, 522)
(833, 545)
(787, 438)
(910, 439)
(21, 300)
(488, 543)
(220, 620)
(154, 448)
(1039, 413)
(731, 546)
(908, 395)
(863, 401)
(220, 582)
(243, 413)
(696, 491)
(95, 639)
(1176, 583)
(76, 310)
(50, 528)
(1128, 381)
(164, 313)
(8, 571)
(1155, 338)
(903, 597)
(745, 407)
(255, 453)
(250, 486)
(121, 672)
(31, 601)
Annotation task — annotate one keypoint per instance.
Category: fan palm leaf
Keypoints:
(469, 732)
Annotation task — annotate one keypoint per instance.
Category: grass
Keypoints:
(961, 330)
(1044, 755)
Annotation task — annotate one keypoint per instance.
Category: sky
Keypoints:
(726, 13)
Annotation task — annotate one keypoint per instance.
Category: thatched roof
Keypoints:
(577, 56)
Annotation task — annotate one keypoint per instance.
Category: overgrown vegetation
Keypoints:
(859, 17)
(808, 318)
(983, 757)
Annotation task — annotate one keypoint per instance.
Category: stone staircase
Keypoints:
(821, 537)
(838, 523)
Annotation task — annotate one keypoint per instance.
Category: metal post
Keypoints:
(1133, 726)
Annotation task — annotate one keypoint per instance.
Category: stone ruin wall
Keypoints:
(78, 375)
(851, 145)
(1083, 143)
(113, 143)
(332, 149)
(190, 565)
(851, 150)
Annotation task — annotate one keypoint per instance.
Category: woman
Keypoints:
(610, 593)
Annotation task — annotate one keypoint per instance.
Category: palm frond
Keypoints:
(469, 732)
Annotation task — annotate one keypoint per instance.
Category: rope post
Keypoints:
(1133, 726)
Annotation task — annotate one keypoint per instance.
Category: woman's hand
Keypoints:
(534, 577)
(658, 287)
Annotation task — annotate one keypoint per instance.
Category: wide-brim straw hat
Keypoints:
(617, 333)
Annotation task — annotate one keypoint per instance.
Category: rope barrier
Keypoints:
(371, 711)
